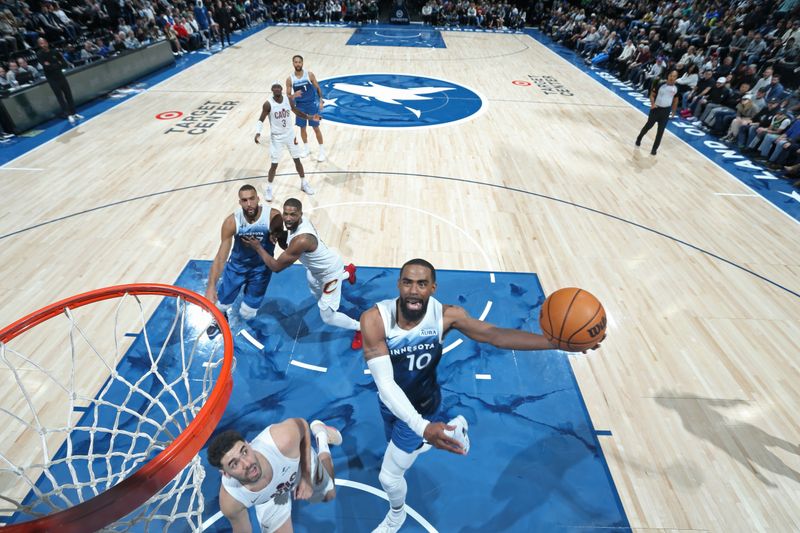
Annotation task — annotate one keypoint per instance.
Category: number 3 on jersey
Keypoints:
(418, 362)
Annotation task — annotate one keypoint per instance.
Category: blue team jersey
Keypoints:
(415, 353)
(241, 254)
(307, 93)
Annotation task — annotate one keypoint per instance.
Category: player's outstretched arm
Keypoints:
(376, 353)
(235, 512)
(265, 109)
(226, 241)
(291, 254)
(512, 339)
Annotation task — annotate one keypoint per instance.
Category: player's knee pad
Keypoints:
(247, 312)
(391, 480)
(394, 466)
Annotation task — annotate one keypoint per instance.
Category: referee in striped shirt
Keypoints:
(663, 104)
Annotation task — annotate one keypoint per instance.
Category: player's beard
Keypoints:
(412, 315)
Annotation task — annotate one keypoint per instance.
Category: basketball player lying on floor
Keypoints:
(403, 340)
(271, 469)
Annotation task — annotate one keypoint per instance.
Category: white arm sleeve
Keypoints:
(259, 127)
(393, 396)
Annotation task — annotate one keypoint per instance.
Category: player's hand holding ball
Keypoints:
(573, 320)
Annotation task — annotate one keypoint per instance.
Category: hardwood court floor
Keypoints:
(697, 379)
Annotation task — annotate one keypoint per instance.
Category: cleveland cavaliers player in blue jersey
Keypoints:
(241, 267)
(303, 89)
(403, 346)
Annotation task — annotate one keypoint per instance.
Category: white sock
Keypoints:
(303, 182)
(321, 149)
(305, 147)
(322, 442)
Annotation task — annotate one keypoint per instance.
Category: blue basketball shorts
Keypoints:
(311, 108)
(253, 279)
(403, 436)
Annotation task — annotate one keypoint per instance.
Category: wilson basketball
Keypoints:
(573, 319)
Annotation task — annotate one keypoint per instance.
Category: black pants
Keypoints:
(60, 87)
(658, 115)
(224, 33)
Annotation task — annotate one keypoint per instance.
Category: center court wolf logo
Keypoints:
(397, 101)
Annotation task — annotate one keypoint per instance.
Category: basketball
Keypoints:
(573, 319)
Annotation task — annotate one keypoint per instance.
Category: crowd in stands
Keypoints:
(738, 63)
(489, 15)
(88, 30)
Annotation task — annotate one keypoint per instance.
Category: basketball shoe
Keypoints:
(321, 154)
(213, 330)
(460, 432)
(334, 436)
(351, 271)
(306, 188)
(393, 521)
(268, 193)
(357, 342)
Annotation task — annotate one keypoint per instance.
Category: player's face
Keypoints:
(249, 202)
(241, 463)
(291, 217)
(298, 64)
(277, 91)
(415, 287)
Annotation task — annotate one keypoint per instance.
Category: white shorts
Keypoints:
(276, 146)
(274, 513)
(328, 290)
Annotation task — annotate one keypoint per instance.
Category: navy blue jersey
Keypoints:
(415, 353)
(243, 255)
(306, 93)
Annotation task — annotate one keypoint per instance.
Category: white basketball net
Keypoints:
(86, 415)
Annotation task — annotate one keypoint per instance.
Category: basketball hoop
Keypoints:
(112, 475)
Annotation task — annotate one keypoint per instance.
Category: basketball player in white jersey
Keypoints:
(302, 87)
(403, 340)
(269, 471)
(240, 266)
(281, 135)
(325, 270)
